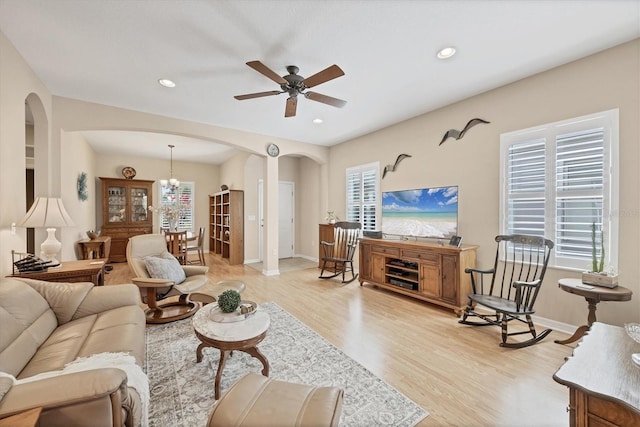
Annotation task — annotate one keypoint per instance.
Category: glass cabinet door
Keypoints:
(117, 204)
(139, 204)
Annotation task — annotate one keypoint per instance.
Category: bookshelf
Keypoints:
(226, 225)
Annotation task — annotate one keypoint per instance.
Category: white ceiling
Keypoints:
(113, 52)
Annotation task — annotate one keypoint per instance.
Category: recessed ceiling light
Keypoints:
(317, 121)
(446, 52)
(166, 83)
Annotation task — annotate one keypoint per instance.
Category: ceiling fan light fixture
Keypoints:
(167, 83)
(446, 52)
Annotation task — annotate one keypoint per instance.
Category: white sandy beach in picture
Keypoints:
(413, 227)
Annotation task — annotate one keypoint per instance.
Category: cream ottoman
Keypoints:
(255, 400)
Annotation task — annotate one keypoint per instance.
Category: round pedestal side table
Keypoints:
(243, 335)
(593, 295)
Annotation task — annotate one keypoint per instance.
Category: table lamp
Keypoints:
(47, 212)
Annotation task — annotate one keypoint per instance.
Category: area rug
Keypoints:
(182, 390)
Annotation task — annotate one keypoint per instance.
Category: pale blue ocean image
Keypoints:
(424, 213)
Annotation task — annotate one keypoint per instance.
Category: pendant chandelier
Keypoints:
(171, 182)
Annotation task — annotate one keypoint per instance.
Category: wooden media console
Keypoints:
(428, 271)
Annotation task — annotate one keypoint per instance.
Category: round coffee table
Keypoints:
(243, 335)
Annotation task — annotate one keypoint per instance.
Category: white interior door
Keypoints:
(285, 220)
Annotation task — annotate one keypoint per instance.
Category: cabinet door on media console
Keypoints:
(450, 279)
(430, 279)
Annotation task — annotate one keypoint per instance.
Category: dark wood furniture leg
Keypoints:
(248, 346)
(579, 333)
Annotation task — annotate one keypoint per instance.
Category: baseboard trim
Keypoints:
(251, 261)
(307, 257)
(543, 322)
(275, 272)
(555, 325)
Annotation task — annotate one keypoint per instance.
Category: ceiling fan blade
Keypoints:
(266, 71)
(325, 99)
(257, 95)
(325, 75)
(290, 109)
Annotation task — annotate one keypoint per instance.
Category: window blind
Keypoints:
(526, 188)
(579, 191)
(363, 195)
(183, 197)
(559, 180)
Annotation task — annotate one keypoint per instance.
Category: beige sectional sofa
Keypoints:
(46, 325)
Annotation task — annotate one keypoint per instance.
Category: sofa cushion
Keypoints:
(114, 331)
(63, 298)
(165, 266)
(27, 321)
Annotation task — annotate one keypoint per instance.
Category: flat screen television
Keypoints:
(425, 212)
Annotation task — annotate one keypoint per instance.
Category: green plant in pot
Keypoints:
(597, 276)
(229, 301)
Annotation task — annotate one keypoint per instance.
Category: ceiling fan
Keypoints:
(295, 85)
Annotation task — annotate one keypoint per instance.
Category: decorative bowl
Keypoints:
(92, 234)
(633, 330)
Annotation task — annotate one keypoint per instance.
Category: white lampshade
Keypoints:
(47, 212)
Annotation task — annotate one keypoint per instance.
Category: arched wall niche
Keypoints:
(36, 118)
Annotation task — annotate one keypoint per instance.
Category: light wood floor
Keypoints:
(457, 373)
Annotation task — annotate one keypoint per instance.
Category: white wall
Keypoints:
(76, 157)
(604, 81)
(17, 82)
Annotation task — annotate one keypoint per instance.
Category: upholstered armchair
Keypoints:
(159, 275)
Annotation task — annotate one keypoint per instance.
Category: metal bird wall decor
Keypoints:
(392, 168)
(458, 134)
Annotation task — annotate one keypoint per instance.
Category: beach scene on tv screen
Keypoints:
(427, 212)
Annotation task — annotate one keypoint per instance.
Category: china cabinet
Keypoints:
(125, 212)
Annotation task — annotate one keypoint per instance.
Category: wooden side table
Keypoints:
(593, 295)
(71, 271)
(243, 336)
(100, 247)
(602, 380)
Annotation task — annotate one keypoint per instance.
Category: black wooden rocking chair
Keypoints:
(516, 278)
(337, 256)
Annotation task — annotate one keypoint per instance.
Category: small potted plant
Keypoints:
(229, 301)
(597, 276)
(92, 234)
(331, 217)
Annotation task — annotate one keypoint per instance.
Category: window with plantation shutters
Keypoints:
(363, 198)
(182, 199)
(560, 181)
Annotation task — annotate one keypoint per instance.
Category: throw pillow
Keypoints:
(165, 266)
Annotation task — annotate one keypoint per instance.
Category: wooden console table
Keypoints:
(71, 271)
(603, 381)
(427, 271)
(593, 295)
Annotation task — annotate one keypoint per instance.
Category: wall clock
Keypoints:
(83, 194)
(273, 150)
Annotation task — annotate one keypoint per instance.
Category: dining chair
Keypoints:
(197, 245)
(176, 245)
